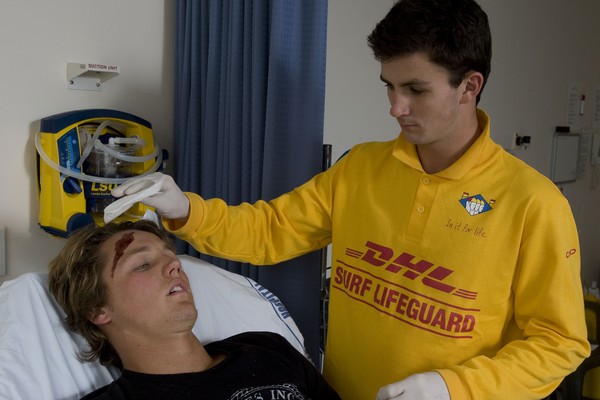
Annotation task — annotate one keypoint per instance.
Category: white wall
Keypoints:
(540, 46)
(37, 39)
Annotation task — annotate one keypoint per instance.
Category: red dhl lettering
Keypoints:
(423, 312)
(409, 267)
(352, 282)
(404, 305)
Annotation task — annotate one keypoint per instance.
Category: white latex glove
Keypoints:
(169, 201)
(424, 386)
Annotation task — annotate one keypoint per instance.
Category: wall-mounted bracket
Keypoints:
(89, 76)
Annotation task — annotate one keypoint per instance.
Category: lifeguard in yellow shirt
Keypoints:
(455, 266)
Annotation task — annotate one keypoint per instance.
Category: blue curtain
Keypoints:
(249, 101)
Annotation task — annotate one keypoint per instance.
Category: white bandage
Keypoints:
(113, 210)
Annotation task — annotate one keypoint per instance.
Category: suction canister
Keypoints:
(82, 156)
(107, 161)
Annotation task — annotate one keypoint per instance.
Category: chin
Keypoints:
(414, 138)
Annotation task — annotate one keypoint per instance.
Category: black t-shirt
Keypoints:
(258, 366)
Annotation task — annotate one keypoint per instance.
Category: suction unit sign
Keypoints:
(102, 67)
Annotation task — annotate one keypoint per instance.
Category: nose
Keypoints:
(173, 267)
(399, 105)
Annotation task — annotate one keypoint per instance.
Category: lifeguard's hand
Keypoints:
(169, 201)
(424, 386)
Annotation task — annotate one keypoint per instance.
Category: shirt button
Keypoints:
(426, 180)
(420, 209)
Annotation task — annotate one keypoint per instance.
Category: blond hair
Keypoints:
(75, 280)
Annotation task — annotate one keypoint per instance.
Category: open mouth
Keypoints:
(175, 289)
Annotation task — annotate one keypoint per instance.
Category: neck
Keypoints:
(182, 354)
(439, 155)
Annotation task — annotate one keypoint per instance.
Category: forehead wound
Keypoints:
(120, 248)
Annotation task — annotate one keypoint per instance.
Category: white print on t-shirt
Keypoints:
(286, 391)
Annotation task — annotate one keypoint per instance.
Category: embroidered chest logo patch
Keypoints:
(476, 204)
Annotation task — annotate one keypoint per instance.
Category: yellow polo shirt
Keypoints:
(472, 271)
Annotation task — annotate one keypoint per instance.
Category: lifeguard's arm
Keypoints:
(547, 338)
(261, 233)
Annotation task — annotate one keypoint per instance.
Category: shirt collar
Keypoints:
(482, 149)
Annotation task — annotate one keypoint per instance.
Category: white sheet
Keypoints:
(38, 354)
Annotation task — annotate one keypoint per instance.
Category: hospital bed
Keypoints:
(38, 354)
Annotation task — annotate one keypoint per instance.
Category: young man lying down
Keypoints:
(124, 290)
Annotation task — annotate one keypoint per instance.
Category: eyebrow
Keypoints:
(407, 83)
(141, 249)
(136, 250)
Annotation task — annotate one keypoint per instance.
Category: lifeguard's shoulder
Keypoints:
(367, 151)
(527, 180)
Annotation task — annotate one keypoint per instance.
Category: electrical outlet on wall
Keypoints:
(521, 141)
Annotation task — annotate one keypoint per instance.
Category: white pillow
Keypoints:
(229, 304)
(38, 354)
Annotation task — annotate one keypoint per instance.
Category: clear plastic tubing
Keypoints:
(99, 179)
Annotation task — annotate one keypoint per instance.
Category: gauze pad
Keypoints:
(113, 210)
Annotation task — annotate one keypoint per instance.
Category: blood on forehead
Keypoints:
(120, 248)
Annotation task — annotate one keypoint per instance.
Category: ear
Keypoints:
(473, 85)
(101, 317)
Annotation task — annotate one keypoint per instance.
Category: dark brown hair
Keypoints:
(454, 34)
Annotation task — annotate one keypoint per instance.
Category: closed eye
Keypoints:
(142, 267)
